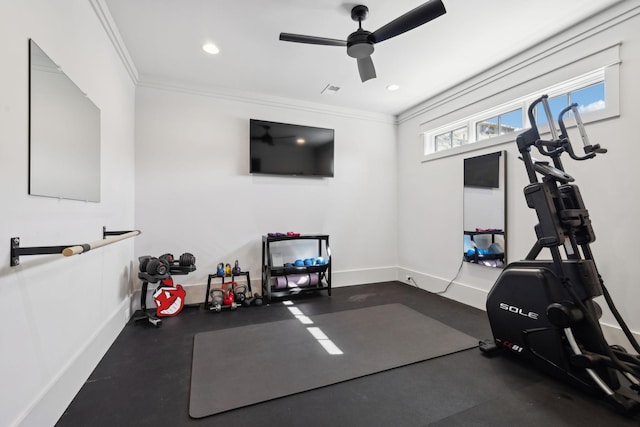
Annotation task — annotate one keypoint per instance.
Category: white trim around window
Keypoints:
(605, 63)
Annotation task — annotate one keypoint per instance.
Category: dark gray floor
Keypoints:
(143, 380)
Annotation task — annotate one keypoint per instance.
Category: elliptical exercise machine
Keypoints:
(543, 310)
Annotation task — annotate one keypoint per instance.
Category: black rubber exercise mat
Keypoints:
(241, 366)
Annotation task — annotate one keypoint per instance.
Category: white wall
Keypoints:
(60, 314)
(430, 219)
(194, 192)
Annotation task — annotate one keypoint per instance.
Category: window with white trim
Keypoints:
(589, 98)
(499, 125)
(588, 91)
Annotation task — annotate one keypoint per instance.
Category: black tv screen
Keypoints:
(288, 149)
(482, 171)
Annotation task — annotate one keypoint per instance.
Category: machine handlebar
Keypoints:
(561, 143)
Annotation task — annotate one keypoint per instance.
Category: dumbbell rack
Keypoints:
(223, 277)
(147, 278)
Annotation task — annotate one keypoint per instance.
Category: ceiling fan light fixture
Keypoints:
(360, 50)
(211, 48)
(358, 44)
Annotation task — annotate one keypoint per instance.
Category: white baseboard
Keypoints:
(454, 290)
(49, 405)
(615, 335)
(363, 276)
(196, 292)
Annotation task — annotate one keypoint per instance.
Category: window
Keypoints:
(588, 91)
(502, 121)
(487, 128)
(499, 125)
(589, 98)
(451, 139)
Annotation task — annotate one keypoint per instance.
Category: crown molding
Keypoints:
(267, 100)
(105, 18)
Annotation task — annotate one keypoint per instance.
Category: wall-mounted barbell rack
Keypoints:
(108, 237)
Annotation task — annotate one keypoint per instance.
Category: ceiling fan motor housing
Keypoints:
(359, 45)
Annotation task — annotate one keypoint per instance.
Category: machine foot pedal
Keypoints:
(488, 347)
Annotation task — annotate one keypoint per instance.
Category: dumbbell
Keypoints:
(167, 259)
(143, 261)
(254, 300)
(156, 267)
(187, 260)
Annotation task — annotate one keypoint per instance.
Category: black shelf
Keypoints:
(269, 271)
(476, 257)
(483, 257)
(280, 271)
(493, 233)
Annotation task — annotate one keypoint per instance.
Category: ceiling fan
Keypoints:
(360, 43)
(266, 137)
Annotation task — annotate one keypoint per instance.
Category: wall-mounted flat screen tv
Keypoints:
(482, 171)
(288, 149)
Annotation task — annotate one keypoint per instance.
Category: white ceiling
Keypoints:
(164, 39)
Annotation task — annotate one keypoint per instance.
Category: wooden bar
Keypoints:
(78, 249)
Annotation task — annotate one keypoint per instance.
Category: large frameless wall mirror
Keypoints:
(64, 134)
(484, 200)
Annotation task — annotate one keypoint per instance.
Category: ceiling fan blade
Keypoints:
(366, 69)
(299, 38)
(410, 20)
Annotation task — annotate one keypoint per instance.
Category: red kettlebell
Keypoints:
(228, 296)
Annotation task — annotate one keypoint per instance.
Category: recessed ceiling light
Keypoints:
(300, 141)
(210, 48)
(393, 87)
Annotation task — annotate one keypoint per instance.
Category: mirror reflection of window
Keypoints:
(484, 238)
